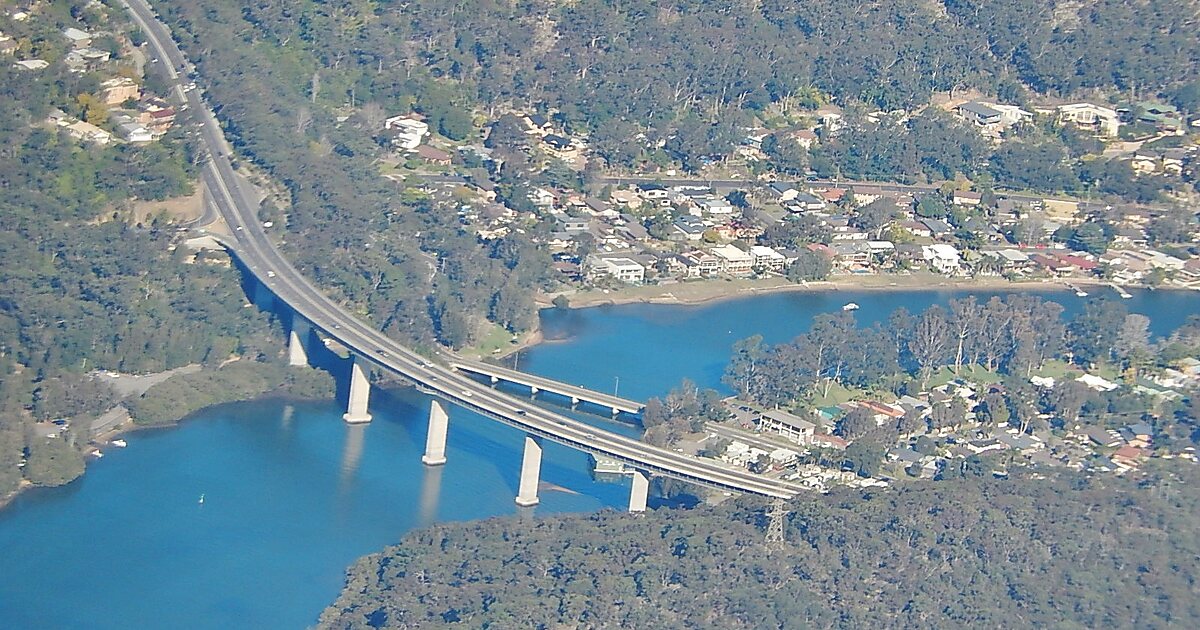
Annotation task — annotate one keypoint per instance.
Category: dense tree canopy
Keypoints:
(1064, 551)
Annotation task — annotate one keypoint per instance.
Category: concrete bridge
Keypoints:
(536, 384)
(371, 350)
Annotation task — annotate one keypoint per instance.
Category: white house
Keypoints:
(623, 269)
(134, 133)
(1101, 120)
(792, 427)
(407, 131)
(942, 258)
(767, 258)
(732, 260)
(716, 208)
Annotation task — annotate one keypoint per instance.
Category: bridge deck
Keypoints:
(548, 385)
(257, 252)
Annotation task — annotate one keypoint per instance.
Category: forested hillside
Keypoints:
(83, 286)
(1070, 552)
(671, 81)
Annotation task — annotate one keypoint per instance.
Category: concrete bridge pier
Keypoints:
(531, 472)
(435, 440)
(360, 391)
(298, 340)
(639, 491)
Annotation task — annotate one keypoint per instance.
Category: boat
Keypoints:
(1080, 293)
(850, 306)
(120, 443)
(201, 501)
(97, 454)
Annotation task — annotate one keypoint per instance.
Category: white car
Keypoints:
(270, 274)
(466, 393)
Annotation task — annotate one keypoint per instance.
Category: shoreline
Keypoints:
(714, 291)
(130, 427)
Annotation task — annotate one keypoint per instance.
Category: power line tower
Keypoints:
(778, 512)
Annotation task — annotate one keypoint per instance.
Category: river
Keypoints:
(292, 495)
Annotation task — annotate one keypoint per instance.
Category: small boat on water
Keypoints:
(1080, 293)
(850, 306)
(97, 454)
(201, 501)
(120, 443)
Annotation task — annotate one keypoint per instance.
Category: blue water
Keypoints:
(645, 349)
(293, 495)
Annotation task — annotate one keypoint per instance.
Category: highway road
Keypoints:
(253, 247)
(612, 401)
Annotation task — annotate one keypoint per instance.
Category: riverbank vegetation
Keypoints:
(675, 84)
(1009, 339)
(185, 394)
(84, 285)
(1069, 550)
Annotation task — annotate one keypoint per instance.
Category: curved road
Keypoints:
(252, 246)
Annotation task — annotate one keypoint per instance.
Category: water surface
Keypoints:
(293, 495)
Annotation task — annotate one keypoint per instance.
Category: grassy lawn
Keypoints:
(973, 373)
(494, 341)
(838, 394)
(1058, 370)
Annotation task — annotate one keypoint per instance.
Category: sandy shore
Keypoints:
(704, 291)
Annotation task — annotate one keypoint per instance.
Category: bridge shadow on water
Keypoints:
(473, 437)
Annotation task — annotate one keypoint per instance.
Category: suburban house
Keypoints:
(703, 263)
(1173, 160)
(715, 208)
(560, 147)
(937, 227)
(1100, 120)
(572, 225)
(792, 427)
(733, 261)
(620, 267)
(656, 194)
(806, 202)
(134, 133)
(784, 191)
(687, 228)
(967, 198)
(851, 253)
(626, 198)
(118, 90)
(992, 118)
(86, 131)
(78, 38)
(536, 124)
(156, 118)
(406, 131)
(864, 196)
(805, 138)
(1144, 162)
(767, 258)
(942, 258)
(431, 155)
